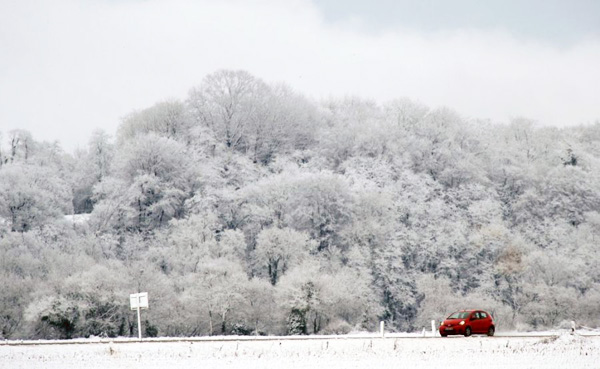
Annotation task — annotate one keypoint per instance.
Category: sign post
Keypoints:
(139, 301)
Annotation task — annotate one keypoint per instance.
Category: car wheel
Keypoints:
(491, 331)
(467, 331)
(444, 335)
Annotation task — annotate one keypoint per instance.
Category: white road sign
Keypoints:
(138, 300)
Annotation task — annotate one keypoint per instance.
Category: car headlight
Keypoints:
(462, 323)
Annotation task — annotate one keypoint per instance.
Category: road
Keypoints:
(417, 336)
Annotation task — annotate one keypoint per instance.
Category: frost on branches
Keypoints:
(249, 209)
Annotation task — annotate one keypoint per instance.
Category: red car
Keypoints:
(467, 322)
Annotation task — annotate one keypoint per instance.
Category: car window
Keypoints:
(459, 315)
(483, 315)
(475, 316)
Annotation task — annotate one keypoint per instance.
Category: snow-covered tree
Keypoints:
(30, 196)
(279, 249)
(167, 119)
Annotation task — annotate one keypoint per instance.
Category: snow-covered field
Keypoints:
(564, 351)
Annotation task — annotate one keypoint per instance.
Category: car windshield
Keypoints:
(460, 315)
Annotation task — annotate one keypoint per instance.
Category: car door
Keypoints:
(475, 322)
(486, 321)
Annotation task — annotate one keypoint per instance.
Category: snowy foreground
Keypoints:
(564, 351)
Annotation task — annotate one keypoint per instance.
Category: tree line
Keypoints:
(248, 208)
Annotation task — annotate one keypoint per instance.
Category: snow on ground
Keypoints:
(564, 351)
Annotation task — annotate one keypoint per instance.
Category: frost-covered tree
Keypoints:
(279, 249)
(22, 145)
(151, 181)
(228, 102)
(30, 196)
(167, 119)
(91, 167)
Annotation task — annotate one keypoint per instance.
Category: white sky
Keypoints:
(68, 67)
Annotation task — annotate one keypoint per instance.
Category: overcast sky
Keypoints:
(68, 67)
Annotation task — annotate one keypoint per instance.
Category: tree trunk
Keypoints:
(223, 325)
